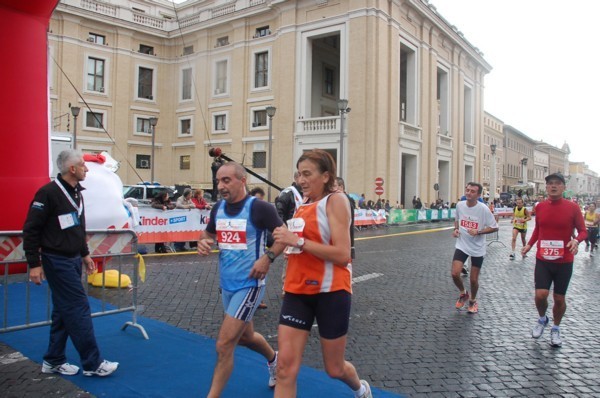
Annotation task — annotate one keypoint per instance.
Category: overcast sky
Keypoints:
(544, 58)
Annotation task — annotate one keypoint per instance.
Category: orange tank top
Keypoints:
(306, 273)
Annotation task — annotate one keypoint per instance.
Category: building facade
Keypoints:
(541, 166)
(583, 182)
(518, 161)
(493, 155)
(207, 70)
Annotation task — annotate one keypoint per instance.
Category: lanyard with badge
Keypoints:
(71, 219)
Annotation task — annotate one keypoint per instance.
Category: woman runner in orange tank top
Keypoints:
(318, 280)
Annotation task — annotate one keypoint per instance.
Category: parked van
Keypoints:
(145, 192)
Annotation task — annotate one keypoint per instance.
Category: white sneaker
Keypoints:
(65, 369)
(538, 329)
(555, 340)
(512, 256)
(106, 368)
(272, 372)
(367, 393)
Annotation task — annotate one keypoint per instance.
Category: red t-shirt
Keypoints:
(554, 224)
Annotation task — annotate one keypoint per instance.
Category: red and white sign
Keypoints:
(379, 191)
(379, 182)
(177, 225)
(364, 217)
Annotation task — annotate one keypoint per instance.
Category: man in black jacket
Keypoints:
(286, 204)
(341, 186)
(289, 200)
(55, 232)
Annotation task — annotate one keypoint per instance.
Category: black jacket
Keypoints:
(286, 204)
(42, 230)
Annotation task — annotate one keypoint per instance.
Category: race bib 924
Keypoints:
(231, 234)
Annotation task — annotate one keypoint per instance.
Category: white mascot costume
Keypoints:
(105, 207)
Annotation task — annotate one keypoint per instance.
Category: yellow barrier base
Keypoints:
(111, 279)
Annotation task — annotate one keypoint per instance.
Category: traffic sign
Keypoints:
(379, 191)
(379, 182)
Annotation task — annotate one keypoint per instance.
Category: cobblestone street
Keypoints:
(405, 335)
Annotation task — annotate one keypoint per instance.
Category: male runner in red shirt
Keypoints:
(556, 218)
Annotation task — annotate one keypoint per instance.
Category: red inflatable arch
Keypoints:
(25, 138)
(24, 129)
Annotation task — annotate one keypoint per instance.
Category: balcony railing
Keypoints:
(319, 125)
(444, 141)
(147, 20)
(99, 7)
(408, 131)
(155, 20)
(469, 149)
(223, 10)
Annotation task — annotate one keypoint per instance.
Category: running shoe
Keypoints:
(460, 303)
(512, 256)
(272, 372)
(538, 329)
(464, 271)
(555, 340)
(473, 307)
(65, 369)
(106, 368)
(367, 393)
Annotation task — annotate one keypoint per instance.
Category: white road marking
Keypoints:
(366, 277)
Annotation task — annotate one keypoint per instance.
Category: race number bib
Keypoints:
(552, 249)
(469, 224)
(231, 234)
(295, 225)
(519, 223)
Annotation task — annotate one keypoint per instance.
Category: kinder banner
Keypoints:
(179, 225)
(364, 217)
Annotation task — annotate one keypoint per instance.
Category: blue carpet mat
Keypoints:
(173, 363)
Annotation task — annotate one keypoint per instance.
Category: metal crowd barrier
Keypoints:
(493, 238)
(107, 245)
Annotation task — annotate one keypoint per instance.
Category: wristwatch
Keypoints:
(271, 255)
(300, 243)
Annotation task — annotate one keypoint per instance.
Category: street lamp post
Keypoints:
(493, 179)
(343, 108)
(270, 113)
(153, 120)
(75, 111)
(524, 163)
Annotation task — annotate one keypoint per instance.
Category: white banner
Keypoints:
(178, 225)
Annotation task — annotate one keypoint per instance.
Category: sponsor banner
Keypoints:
(400, 216)
(179, 225)
(364, 217)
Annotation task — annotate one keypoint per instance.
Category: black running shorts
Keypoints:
(331, 310)
(547, 272)
(461, 256)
